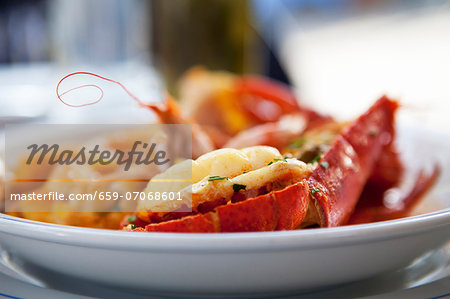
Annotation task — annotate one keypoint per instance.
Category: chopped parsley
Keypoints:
(217, 178)
(316, 159)
(324, 165)
(314, 190)
(132, 226)
(299, 142)
(237, 187)
(276, 160)
(131, 219)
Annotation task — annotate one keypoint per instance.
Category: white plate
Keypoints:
(239, 263)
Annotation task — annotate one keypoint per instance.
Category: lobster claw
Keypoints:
(376, 202)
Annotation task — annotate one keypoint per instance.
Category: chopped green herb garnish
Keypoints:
(316, 158)
(324, 165)
(133, 226)
(217, 177)
(314, 190)
(237, 187)
(131, 219)
(276, 160)
(299, 142)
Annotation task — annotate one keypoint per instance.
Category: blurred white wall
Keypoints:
(342, 67)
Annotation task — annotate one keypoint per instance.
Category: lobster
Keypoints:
(323, 193)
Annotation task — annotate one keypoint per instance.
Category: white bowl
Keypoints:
(236, 263)
(233, 263)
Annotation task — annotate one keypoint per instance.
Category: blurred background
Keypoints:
(339, 55)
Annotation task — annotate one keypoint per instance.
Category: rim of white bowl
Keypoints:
(223, 242)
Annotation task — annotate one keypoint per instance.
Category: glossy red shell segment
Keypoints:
(201, 223)
(337, 188)
(350, 161)
(278, 210)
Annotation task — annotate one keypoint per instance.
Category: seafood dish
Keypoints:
(261, 161)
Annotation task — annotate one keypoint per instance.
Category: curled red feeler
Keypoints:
(130, 94)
